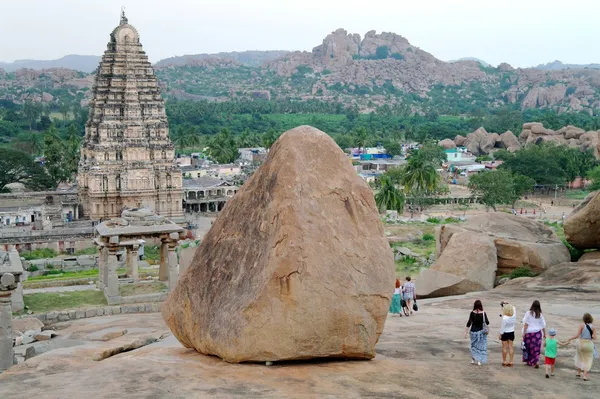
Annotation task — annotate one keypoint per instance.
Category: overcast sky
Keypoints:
(520, 32)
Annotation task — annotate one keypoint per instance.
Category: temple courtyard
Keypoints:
(423, 356)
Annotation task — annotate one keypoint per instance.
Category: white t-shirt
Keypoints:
(508, 323)
(397, 291)
(534, 325)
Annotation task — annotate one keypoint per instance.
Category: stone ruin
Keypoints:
(295, 267)
(126, 233)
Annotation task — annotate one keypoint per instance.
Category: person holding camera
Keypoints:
(507, 333)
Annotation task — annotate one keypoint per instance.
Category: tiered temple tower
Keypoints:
(127, 158)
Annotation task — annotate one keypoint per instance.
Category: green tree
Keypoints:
(389, 198)
(18, 167)
(32, 112)
(499, 187)
(269, 138)
(222, 147)
(392, 148)
(421, 180)
(360, 138)
(57, 162)
(594, 176)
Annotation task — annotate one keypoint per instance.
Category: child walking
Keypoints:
(551, 345)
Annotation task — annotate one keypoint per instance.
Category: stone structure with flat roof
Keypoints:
(126, 232)
(127, 159)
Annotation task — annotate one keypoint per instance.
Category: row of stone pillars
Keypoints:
(108, 279)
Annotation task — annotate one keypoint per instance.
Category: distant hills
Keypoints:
(558, 66)
(247, 58)
(482, 62)
(83, 63)
(364, 71)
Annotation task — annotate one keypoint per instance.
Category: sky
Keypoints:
(520, 32)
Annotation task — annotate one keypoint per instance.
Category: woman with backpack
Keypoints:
(409, 294)
(478, 324)
(584, 357)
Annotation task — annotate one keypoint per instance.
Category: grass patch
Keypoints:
(87, 251)
(152, 253)
(142, 288)
(46, 302)
(523, 271)
(58, 275)
(41, 253)
(577, 194)
(433, 220)
(428, 237)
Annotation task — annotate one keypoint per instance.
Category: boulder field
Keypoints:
(295, 267)
(473, 254)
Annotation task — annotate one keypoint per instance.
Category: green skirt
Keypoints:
(395, 305)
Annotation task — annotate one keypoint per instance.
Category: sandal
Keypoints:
(510, 364)
(504, 364)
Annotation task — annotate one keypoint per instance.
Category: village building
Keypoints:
(207, 194)
(127, 159)
(255, 154)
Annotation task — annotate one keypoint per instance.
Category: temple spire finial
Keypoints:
(123, 17)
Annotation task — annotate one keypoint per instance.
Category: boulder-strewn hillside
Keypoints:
(247, 58)
(557, 65)
(370, 71)
(83, 63)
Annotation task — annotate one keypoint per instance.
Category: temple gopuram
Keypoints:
(127, 159)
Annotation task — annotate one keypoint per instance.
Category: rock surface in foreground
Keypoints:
(295, 267)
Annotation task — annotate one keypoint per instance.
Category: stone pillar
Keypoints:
(173, 265)
(163, 271)
(7, 355)
(102, 271)
(18, 305)
(111, 291)
(132, 262)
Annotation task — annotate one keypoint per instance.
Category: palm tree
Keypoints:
(389, 198)
(420, 179)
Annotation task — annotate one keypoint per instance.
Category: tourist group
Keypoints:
(536, 338)
(404, 299)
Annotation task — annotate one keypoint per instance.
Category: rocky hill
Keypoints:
(558, 65)
(83, 63)
(247, 58)
(370, 71)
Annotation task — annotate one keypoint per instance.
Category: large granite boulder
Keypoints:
(471, 256)
(488, 143)
(447, 144)
(295, 267)
(434, 283)
(519, 241)
(459, 140)
(509, 141)
(473, 141)
(582, 227)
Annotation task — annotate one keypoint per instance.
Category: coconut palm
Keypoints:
(389, 198)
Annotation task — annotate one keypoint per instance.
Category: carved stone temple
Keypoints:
(127, 159)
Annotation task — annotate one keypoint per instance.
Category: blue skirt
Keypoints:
(395, 305)
(479, 346)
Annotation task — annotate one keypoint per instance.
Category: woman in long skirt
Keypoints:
(534, 330)
(395, 304)
(584, 357)
(478, 324)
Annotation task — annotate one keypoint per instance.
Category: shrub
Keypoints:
(523, 271)
(39, 254)
(409, 260)
(33, 268)
(574, 252)
(452, 220)
(428, 237)
(397, 56)
(433, 220)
